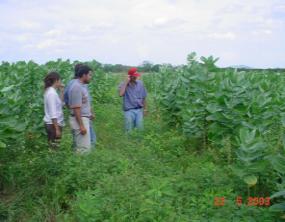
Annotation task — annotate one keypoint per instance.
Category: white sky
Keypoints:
(247, 32)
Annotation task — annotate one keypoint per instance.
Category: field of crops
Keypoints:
(212, 149)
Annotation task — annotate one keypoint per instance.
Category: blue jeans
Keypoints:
(92, 134)
(133, 119)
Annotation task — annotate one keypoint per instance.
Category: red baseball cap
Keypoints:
(133, 72)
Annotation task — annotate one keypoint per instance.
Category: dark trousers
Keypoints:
(51, 135)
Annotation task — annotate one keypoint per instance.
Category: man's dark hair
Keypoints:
(83, 70)
(50, 79)
(76, 69)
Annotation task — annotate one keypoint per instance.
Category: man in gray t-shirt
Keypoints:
(78, 97)
(134, 100)
(66, 101)
(79, 104)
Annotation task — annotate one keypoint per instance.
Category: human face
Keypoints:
(133, 78)
(87, 77)
(57, 84)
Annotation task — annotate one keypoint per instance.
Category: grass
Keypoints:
(157, 177)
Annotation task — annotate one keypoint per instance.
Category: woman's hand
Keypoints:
(57, 133)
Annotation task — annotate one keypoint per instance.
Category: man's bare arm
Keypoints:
(124, 86)
(78, 118)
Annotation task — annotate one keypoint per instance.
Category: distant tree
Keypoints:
(155, 68)
(146, 66)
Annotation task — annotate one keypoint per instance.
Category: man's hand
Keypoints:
(83, 131)
(92, 117)
(128, 79)
(124, 86)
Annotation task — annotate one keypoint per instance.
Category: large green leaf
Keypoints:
(250, 180)
(278, 194)
(2, 145)
(280, 207)
(277, 162)
(7, 88)
(247, 136)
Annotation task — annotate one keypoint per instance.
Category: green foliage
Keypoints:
(240, 113)
(250, 155)
(21, 94)
(157, 175)
(278, 164)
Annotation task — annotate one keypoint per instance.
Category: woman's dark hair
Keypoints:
(76, 69)
(83, 70)
(51, 78)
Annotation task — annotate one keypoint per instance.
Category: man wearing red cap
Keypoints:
(134, 100)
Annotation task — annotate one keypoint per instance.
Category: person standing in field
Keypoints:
(134, 100)
(53, 104)
(66, 101)
(79, 104)
(69, 84)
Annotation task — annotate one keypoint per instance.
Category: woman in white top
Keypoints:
(53, 108)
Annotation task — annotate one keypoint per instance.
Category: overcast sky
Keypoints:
(247, 32)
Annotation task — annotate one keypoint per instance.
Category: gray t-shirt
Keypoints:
(78, 97)
(134, 95)
(66, 91)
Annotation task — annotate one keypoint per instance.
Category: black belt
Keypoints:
(133, 108)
